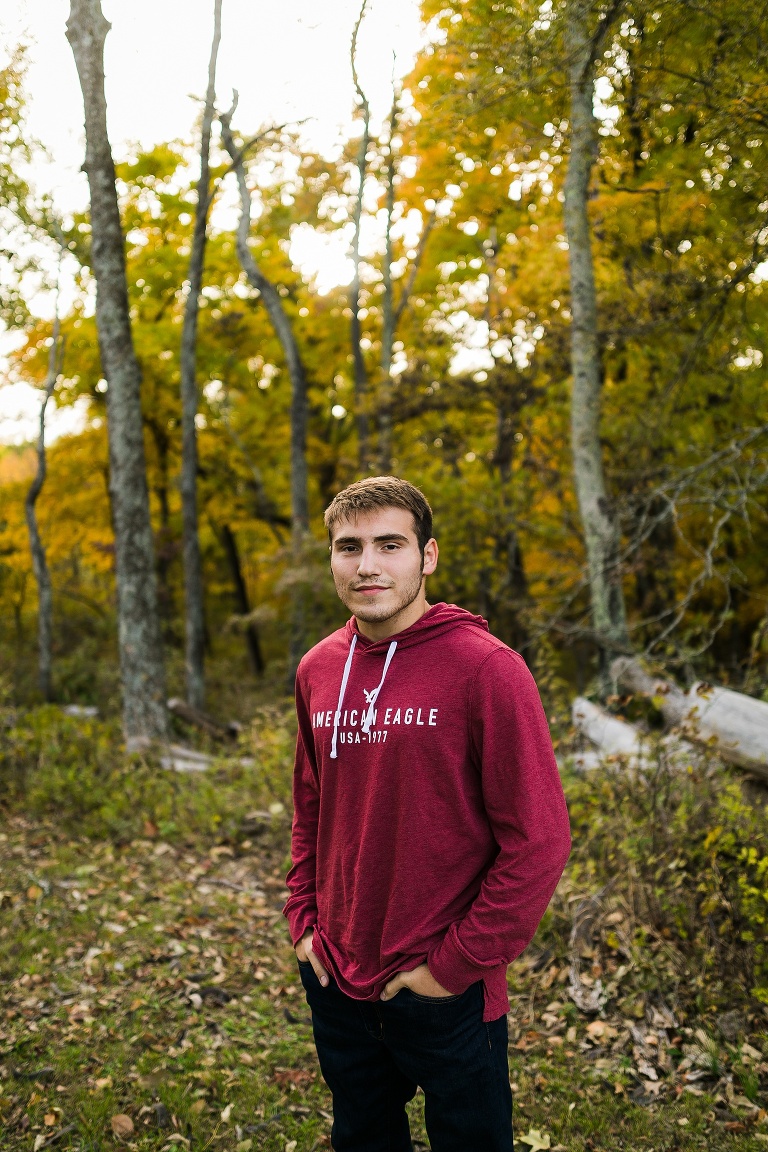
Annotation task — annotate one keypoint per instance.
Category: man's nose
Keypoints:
(369, 563)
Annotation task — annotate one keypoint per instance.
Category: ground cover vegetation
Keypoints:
(150, 995)
(555, 325)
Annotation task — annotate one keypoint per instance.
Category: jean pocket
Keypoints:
(303, 963)
(435, 999)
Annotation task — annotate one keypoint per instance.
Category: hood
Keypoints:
(436, 621)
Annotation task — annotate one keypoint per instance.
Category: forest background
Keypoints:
(466, 356)
(550, 314)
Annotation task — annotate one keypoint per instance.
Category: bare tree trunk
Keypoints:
(252, 638)
(388, 311)
(601, 531)
(284, 330)
(508, 548)
(164, 541)
(193, 567)
(392, 315)
(361, 378)
(139, 642)
(39, 559)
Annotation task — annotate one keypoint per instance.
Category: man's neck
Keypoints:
(383, 629)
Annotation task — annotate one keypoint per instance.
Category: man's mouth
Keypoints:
(370, 589)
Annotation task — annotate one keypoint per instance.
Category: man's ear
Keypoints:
(430, 557)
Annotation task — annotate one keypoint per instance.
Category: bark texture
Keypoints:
(194, 622)
(139, 642)
(601, 533)
(392, 313)
(388, 312)
(39, 558)
(360, 374)
(252, 639)
(299, 410)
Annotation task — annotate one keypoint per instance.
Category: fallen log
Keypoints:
(734, 724)
(177, 758)
(88, 711)
(612, 736)
(190, 715)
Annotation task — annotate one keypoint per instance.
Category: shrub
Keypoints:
(74, 770)
(686, 853)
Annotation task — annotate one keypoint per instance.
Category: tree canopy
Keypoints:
(464, 324)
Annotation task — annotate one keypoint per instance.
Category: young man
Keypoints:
(430, 831)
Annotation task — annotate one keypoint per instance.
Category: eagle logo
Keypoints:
(369, 696)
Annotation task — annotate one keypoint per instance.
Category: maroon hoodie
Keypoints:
(429, 820)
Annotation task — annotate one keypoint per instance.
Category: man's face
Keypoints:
(377, 565)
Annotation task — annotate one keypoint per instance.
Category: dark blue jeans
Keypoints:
(374, 1054)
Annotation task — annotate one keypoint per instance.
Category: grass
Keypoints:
(150, 997)
(156, 982)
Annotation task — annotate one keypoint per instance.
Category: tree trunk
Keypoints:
(388, 313)
(141, 659)
(360, 375)
(252, 639)
(601, 532)
(193, 567)
(39, 559)
(392, 314)
(508, 550)
(284, 330)
(164, 542)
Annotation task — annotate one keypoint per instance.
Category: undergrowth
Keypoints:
(684, 850)
(132, 894)
(75, 769)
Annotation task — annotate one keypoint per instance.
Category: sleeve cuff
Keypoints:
(299, 919)
(451, 966)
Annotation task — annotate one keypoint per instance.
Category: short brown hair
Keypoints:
(381, 492)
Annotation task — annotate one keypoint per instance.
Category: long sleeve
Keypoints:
(525, 806)
(301, 907)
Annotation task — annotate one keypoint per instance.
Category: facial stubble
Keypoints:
(374, 614)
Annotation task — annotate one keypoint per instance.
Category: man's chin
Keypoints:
(374, 613)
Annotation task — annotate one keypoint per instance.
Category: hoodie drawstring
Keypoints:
(369, 713)
(368, 718)
(342, 690)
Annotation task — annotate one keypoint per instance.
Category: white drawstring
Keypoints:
(342, 690)
(369, 715)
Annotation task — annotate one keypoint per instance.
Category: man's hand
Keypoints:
(304, 952)
(419, 980)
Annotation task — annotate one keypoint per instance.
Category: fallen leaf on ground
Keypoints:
(536, 1140)
(599, 1030)
(298, 1076)
(122, 1125)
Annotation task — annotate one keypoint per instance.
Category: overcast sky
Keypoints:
(289, 60)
